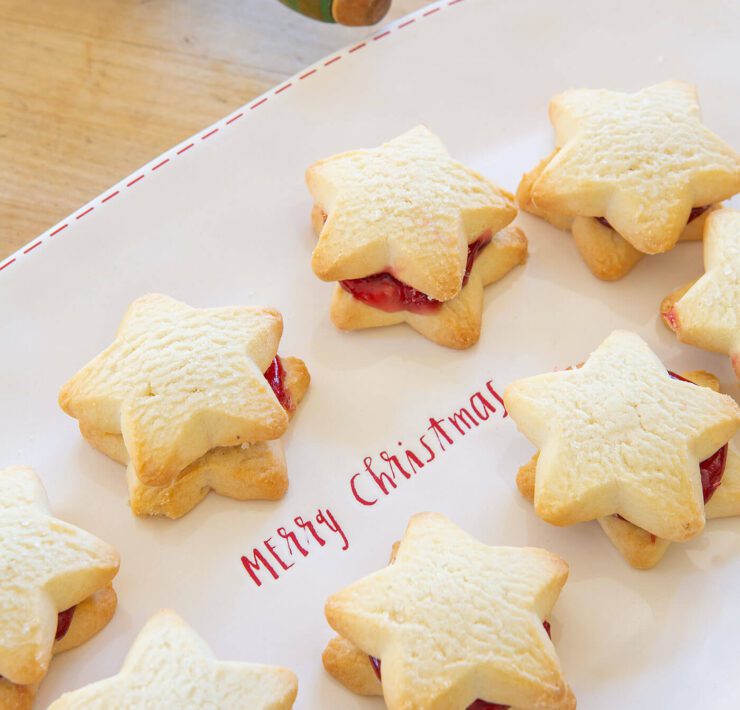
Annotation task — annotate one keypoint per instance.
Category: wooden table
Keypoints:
(91, 89)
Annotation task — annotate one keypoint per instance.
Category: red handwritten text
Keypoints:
(276, 554)
(382, 478)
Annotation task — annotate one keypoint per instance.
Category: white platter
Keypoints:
(226, 221)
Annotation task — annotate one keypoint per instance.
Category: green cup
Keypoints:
(345, 12)
(317, 9)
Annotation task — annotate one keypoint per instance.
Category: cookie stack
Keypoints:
(412, 236)
(451, 623)
(55, 586)
(631, 174)
(624, 441)
(192, 400)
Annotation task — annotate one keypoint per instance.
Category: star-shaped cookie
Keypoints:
(178, 381)
(707, 312)
(620, 436)
(457, 322)
(453, 620)
(46, 566)
(170, 666)
(641, 161)
(406, 208)
(640, 548)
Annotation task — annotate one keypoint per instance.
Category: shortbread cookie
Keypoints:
(621, 436)
(178, 381)
(450, 622)
(251, 471)
(402, 228)
(208, 356)
(55, 589)
(630, 174)
(170, 666)
(640, 548)
(706, 313)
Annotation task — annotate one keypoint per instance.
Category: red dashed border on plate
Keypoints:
(135, 178)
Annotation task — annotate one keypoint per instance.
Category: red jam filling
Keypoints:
(64, 619)
(695, 212)
(476, 705)
(386, 293)
(275, 375)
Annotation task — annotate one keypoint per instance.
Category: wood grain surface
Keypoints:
(91, 89)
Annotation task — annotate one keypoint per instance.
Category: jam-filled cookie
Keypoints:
(451, 623)
(192, 400)
(411, 236)
(706, 313)
(632, 174)
(624, 441)
(170, 666)
(55, 586)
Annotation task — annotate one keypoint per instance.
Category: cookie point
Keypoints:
(693, 528)
(670, 317)
(320, 265)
